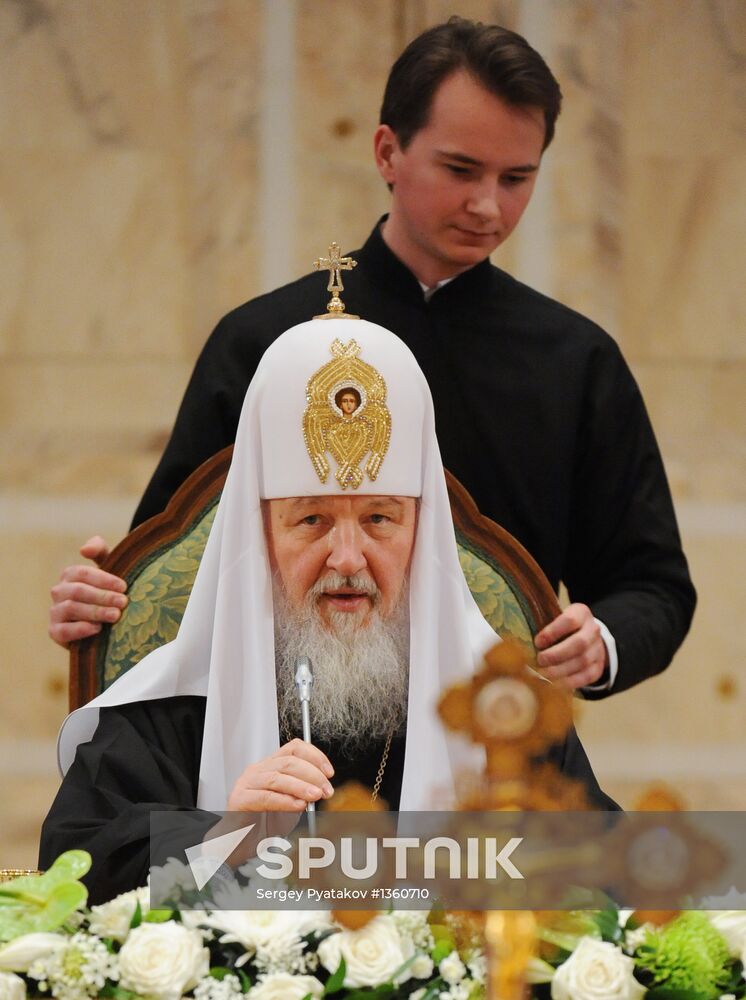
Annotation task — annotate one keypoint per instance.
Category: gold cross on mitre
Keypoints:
(335, 263)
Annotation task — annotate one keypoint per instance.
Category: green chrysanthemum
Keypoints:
(687, 954)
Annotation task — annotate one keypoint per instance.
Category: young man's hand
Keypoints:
(572, 651)
(85, 597)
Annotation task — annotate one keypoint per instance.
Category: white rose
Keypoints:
(113, 919)
(12, 987)
(596, 970)
(422, 967)
(372, 954)
(732, 925)
(162, 960)
(452, 969)
(283, 986)
(18, 955)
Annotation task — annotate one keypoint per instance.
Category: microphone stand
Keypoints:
(304, 684)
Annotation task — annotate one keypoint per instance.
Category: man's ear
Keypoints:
(385, 147)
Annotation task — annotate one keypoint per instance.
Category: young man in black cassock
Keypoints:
(537, 412)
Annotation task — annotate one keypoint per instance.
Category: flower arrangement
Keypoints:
(618, 955)
(52, 944)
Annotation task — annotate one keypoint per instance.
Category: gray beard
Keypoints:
(360, 671)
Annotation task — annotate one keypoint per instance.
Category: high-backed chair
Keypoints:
(159, 560)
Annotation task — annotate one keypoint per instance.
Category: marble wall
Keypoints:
(164, 160)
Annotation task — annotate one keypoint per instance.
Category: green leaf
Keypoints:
(63, 900)
(46, 911)
(136, 916)
(566, 930)
(442, 950)
(441, 932)
(43, 902)
(115, 992)
(334, 983)
(735, 983)
(580, 898)
(607, 922)
(68, 866)
(219, 972)
(158, 916)
(434, 988)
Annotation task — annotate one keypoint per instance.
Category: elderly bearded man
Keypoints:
(333, 538)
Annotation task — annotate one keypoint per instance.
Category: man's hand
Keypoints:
(572, 650)
(85, 597)
(284, 782)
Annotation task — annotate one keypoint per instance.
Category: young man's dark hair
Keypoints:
(502, 61)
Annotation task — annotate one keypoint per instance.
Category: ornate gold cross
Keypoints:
(335, 263)
(514, 715)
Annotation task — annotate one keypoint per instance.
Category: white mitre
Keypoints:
(225, 646)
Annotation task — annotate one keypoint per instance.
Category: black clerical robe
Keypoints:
(145, 757)
(537, 414)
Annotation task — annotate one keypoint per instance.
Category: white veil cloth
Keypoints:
(224, 649)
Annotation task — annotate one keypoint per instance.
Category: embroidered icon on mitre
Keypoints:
(347, 417)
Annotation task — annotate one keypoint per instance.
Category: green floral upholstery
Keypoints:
(159, 587)
(160, 584)
(497, 595)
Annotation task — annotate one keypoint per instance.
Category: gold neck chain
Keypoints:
(382, 767)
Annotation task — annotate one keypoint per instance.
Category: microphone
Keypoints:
(304, 684)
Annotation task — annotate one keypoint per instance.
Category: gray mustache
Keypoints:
(335, 581)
